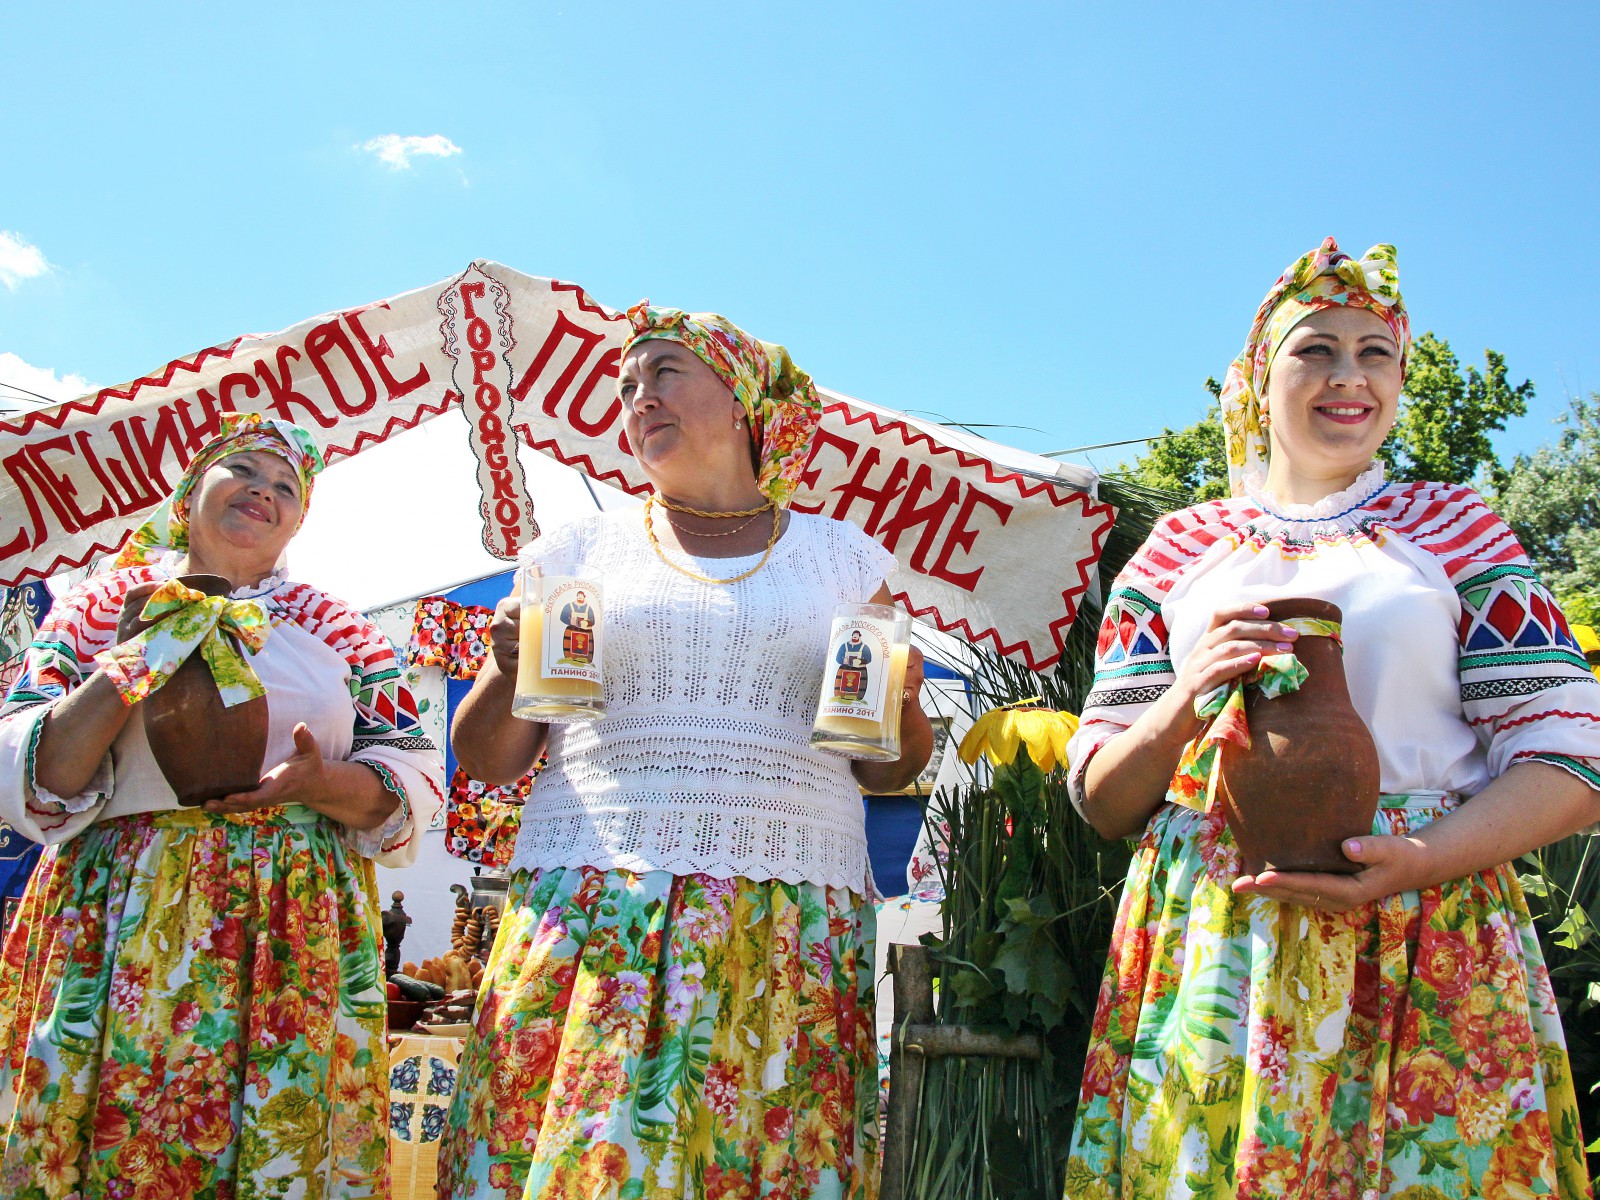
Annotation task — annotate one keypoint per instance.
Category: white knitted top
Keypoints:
(703, 763)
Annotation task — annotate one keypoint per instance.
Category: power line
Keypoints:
(1160, 437)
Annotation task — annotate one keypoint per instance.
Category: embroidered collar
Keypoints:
(1330, 508)
(168, 565)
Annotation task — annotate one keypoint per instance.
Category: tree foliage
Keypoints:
(1551, 498)
(1447, 415)
(1191, 462)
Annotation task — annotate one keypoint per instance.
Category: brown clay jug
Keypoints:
(1310, 778)
(205, 751)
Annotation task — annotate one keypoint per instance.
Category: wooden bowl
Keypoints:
(403, 1014)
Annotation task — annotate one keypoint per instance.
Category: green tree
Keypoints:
(1442, 432)
(1551, 498)
(1191, 462)
(1447, 415)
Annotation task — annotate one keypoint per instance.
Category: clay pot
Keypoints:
(1310, 779)
(205, 751)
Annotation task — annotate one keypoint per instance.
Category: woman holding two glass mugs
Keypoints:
(680, 1000)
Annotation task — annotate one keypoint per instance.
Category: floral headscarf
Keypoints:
(1324, 278)
(168, 526)
(778, 397)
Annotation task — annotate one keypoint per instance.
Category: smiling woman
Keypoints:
(192, 1004)
(1389, 1031)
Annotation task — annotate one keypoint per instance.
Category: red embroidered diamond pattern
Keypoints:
(1507, 616)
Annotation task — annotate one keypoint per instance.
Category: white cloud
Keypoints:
(19, 259)
(17, 378)
(397, 151)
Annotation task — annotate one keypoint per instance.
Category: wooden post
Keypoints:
(912, 969)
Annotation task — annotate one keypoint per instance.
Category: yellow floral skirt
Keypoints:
(1247, 1048)
(651, 1036)
(192, 1006)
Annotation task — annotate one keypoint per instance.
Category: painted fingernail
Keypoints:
(1284, 646)
(1287, 632)
(1353, 846)
(1260, 610)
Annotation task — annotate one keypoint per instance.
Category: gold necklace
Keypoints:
(699, 512)
(678, 529)
(650, 532)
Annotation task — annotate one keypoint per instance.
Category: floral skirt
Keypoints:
(192, 1006)
(1244, 1047)
(645, 1036)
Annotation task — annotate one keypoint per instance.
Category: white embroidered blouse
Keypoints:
(703, 760)
(1457, 657)
(324, 663)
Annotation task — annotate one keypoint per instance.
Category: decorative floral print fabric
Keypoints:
(192, 1006)
(778, 397)
(453, 637)
(482, 820)
(1323, 278)
(168, 526)
(656, 1036)
(186, 620)
(1245, 1048)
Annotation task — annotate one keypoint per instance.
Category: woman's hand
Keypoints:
(351, 793)
(505, 635)
(129, 623)
(1239, 637)
(302, 778)
(911, 690)
(1388, 865)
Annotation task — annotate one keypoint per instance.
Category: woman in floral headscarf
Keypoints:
(192, 1003)
(1390, 1032)
(679, 1001)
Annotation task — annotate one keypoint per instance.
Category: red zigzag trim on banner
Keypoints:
(1060, 497)
(55, 417)
(586, 304)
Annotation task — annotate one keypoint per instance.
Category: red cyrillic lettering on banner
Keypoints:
(321, 343)
(478, 339)
(826, 440)
(153, 449)
(236, 381)
(880, 498)
(563, 328)
(103, 469)
(482, 360)
(607, 368)
(961, 537)
(18, 467)
(469, 293)
(912, 515)
(198, 434)
(378, 351)
(141, 494)
(281, 388)
(60, 492)
(495, 455)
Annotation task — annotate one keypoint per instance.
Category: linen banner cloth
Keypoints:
(995, 554)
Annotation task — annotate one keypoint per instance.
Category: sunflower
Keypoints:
(1589, 643)
(1001, 732)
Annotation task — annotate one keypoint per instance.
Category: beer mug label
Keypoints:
(856, 674)
(572, 622)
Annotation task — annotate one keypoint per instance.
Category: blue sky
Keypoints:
(1056, 216)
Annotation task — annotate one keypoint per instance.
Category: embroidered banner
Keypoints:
(988, 552)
